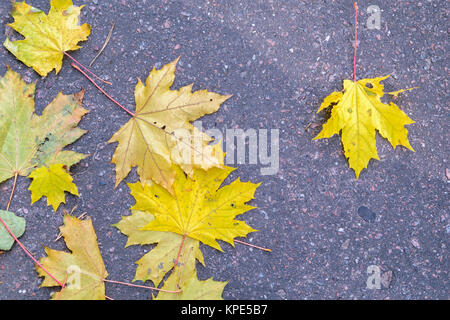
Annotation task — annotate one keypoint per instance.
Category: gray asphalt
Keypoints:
(279, 59)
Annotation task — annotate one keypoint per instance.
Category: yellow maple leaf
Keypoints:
(51, 182)
(82, 271)
(28, 141)
(160, 134)
(195, 289)
(159, 261)
(47, 37)
(198, 209)
(358, 112)
(155, 264)
(192, 287)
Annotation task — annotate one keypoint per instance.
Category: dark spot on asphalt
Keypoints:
(366, 214)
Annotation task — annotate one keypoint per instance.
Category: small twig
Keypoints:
(139, 286)
(103, 91)
(252, 245)
(104, 45)
(89, 71)
(307, 126)
(16, 174)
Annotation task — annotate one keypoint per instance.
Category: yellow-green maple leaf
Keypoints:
(358, 112)
(82, 271)
(51, 182)
(191, 287)
(47, 37)
(195, 289)
(198, 209)
(155, 264)
(160, 134)
(28, 141)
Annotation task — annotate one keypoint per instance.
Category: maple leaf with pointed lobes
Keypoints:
(82, 271)
(192, 287)
(47, 37)
(159, 261)
(195, 289)
(358, 112)
(160, 134)
(28, 141)
(51, 182)
(198, 209)
(155, 264)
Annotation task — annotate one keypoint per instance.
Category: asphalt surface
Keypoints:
(279, 59)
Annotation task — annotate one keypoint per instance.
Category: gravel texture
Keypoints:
(279, 59)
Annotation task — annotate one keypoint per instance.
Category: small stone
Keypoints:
(345, 245)
(366, 214)
(282, 294)
(415, 243)
(167, 24)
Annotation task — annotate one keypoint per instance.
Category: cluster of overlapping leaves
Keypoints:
(179, 198)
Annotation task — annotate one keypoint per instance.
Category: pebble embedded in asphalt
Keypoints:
(366, 214)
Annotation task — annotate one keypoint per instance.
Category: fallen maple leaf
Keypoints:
(51, 182)
(195, 289)
(198, 209)
(15, 224)
(47, 37)
(155, 264)
(28, 141)
(160, 133)
(358, 112)
(192, 287)
(82, 271)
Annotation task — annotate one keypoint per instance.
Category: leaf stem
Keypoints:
(103, 91)
(139, 286)
(356, 40)
(179, 251)
(252, 245)
(16, 174)
(28, 252)
(85, 68)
